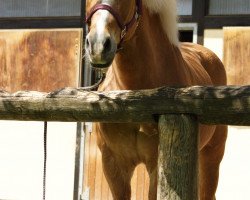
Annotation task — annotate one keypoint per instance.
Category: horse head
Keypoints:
(110, 23)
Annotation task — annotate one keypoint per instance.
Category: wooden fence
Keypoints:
(177, 111)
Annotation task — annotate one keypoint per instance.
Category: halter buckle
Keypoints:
(123, 32)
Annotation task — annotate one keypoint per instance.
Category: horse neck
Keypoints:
(148, 59)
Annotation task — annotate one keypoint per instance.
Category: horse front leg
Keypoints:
(210, 158)
(118, 174)
(152, 172)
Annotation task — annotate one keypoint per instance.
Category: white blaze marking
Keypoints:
(102, 22)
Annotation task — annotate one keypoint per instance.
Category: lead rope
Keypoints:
(45, 159)
(96, 85)
(88, 88)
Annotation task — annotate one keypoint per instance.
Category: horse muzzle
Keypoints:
(100, 49)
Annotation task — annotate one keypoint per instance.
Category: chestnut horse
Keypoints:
(138, 41)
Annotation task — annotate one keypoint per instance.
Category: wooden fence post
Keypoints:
(178, 158)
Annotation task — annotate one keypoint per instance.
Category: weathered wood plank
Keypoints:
(236, 54)
(43, 60)
(178, 157)
(212, 105)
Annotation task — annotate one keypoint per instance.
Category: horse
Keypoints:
(137, 42)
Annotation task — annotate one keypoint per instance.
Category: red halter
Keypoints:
(124, 27)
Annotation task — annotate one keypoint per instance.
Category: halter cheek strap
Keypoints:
(124, 27)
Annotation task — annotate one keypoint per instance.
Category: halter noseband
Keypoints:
(124, 27)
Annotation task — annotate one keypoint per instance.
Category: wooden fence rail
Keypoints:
(179, 110)
(212, 105)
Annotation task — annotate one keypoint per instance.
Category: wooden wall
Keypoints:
(237, 55)
(42, 60)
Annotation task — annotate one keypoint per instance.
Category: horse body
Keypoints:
(150, 59)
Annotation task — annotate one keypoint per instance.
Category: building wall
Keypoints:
(234, 171)
(41, 60)
(21, 160)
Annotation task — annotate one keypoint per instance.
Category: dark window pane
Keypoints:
(229, 7)
(39, 8)
(186, 35)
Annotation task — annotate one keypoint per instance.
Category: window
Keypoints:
(184, 7)
(188, 32)
(39, 8)
(229, 7)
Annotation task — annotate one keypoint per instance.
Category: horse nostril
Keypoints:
(87, 42)
(107, 45)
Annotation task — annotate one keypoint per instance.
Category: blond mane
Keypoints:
(168, 14)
